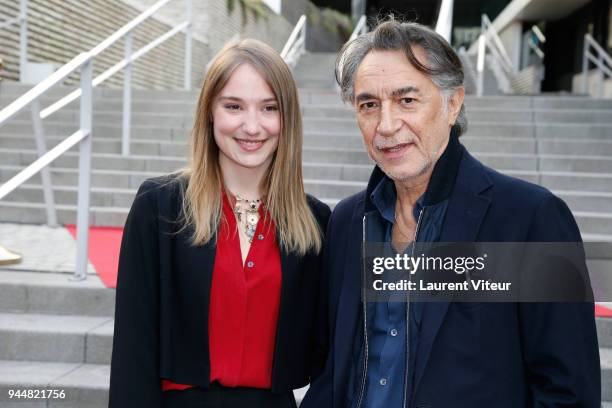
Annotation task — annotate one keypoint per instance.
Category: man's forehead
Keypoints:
(389, 73)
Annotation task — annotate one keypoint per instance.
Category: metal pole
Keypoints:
(127, 96)
(23, 38)
(45, 174)
(600, 75)
(480, 63)
(84, 174)
(188, 44)
(585, 65)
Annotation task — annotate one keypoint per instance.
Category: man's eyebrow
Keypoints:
(364, 96)
(405, 90)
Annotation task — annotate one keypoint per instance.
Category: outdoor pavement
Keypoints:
(44, 249)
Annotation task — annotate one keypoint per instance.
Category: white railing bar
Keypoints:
(10, 22)
(188, 45)
(595, 60)
(598, 48)
(489, 29)
(360, 28)
(45, 174)
(117, 35)
(51, 109)
(536, 30)
(444, 25)
(41, 162)
(84, 183)
(42, 87)
(292, 38)
(127, 96)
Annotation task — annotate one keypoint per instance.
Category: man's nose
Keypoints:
(389, 123)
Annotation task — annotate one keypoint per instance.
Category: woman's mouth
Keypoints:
(250, 145)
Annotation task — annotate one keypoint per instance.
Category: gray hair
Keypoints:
(443, 67)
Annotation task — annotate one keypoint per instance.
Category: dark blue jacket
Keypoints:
(466, 354)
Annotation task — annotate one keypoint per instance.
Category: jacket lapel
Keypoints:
(467, 207)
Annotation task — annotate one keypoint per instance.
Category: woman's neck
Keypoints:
(242, 180)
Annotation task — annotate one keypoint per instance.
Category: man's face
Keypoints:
(401, 114)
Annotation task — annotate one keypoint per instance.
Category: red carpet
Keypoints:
(104, 245)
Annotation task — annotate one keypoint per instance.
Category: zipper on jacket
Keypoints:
(365, 320)
(414, 240)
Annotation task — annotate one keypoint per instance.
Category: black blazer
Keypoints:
(162, 300)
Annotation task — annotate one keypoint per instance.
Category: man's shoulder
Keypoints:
(347, 206)
(517, 191)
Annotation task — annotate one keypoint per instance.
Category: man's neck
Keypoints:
(409, 191)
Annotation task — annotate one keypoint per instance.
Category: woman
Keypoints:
(219, 272)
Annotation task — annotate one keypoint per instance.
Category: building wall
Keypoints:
(61, 29)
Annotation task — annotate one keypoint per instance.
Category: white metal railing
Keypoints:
(489, 39)
(296, 44)
(82, 137)
(444, 24)
(360, 28)
(536, 33)
(601, 60)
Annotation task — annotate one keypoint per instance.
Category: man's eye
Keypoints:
(367, 105)
(407, 100)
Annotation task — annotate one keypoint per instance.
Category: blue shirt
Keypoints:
(386, 370)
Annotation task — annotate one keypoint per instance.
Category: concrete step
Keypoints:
(594, 222)
(56, 338)
(604, 332)
(35, 213)
(84, 385)
(53, 293)
(587, 201)
(605, 356)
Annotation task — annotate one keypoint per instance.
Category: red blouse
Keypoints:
(244, 306)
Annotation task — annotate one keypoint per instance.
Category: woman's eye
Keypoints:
(271, 108)
(232, 107)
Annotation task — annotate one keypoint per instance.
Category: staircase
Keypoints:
(57, 332)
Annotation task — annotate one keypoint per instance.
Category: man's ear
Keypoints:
(454, 105)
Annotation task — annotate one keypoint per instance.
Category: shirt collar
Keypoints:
(384, 197)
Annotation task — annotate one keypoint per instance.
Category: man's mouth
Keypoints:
(395, 150)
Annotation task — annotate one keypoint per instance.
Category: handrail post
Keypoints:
(23, 38)
(585, 64)
(480, 64)
(80, 272)
(600, 75)
(45, 174)
(127, 96)
(188, 44)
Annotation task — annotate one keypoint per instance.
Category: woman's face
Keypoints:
(246, 120)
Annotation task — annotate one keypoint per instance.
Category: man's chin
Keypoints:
(404, 174)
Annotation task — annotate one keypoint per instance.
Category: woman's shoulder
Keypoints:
(319, 209)
(155, 192)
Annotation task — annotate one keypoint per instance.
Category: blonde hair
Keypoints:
(282, 184)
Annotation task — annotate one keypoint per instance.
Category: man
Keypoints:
(406, 85)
